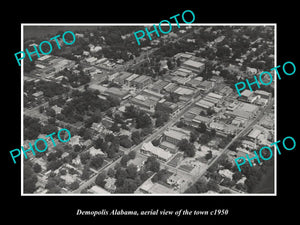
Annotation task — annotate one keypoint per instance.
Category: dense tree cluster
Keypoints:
(159, 175)
(199, 187)
(32, 127)
(84, 104)
(161, 117)
(30, 178)
(75, 80)
(187, 147)
(142, 120)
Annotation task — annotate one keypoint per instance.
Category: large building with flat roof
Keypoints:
(117, 92)
(194, 66)
(158, 86)
(141, 81)
(174, 135)
(144, 103)
(120, 79)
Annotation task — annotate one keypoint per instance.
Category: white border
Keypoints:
(150, 24)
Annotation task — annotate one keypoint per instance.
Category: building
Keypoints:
(128, 80)
(194, 83)
(180, 80)
(152, 95)
(141, 81)
(144, 103)
(206, 86)
(149, 149)
(171, 87)
(158, 86)
(185, 94)
(122, 76)
(174, 135)
(113, 76)
(38, 95)
(97, 87)
(244, 110)
(167, 106)
(117, 92)
(263, 94)
(253, 135)
(97, 190)
(182, 56)
(182, 72)
(91, 60)
(194, 66)
(93, 151)
(204, 104)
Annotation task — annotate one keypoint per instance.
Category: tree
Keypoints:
(132, 154)
(74, 185)
(212, 185)
(53, 165)
(143, 120)
(152, 164)
(85, 157)
(155, 142)
(194, 136)
(50, 184)
(187, 147)
(131, 171)
(135, 137)
(97, 161)
(180, 124)
(199, 187)
(208, 156)
(130, 112)
(124, 160)
(37, 168)
(201, 128)
(115, 128)
(146, 131)
(159, 175)
(125, 142)
(111, 172)
(100, 180)
(77, 148)
(223, 52)
(227, 182)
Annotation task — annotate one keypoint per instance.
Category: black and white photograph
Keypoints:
(150, 113)
(162, 118)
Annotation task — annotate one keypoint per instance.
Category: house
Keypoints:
(93, 151)
(149, 149)
(38, 95)
(226, 173)
(56, 109)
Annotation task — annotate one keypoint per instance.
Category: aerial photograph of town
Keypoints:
(160, 118)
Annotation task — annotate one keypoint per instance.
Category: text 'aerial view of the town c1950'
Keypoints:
(159, 118)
